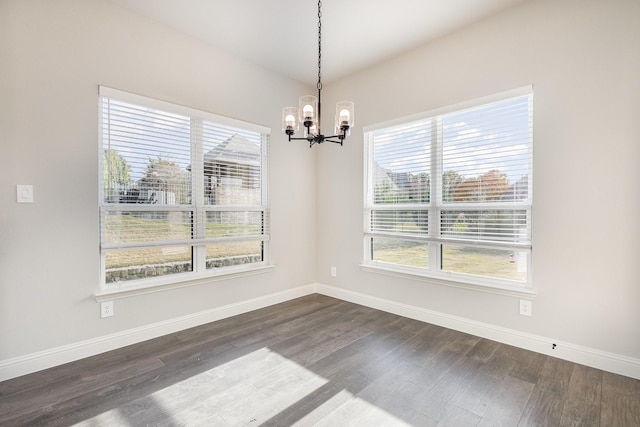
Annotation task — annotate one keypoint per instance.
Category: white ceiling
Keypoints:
(282, 35)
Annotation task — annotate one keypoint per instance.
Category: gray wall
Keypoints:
(53, 56)
(583, 58)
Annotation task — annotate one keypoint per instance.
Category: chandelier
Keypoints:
(309, 113)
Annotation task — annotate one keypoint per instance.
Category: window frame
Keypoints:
(197, 207)
(436, 206)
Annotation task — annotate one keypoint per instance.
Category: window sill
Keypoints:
(131, 290)
(513, 291)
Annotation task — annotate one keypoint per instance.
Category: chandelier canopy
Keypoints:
(309, 113)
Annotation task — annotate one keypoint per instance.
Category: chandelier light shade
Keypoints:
(308, 110)
(344, 116)
(290, 122)
(308, 114)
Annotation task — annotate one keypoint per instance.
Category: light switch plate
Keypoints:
(24, 193)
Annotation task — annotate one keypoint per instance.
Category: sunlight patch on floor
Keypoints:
(246, 391)
(345, 409)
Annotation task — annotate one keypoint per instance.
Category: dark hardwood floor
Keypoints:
(320, 361)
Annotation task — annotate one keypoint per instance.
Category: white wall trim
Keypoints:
(414, 274)
(22, 365)
(125, 291)
(594, 358)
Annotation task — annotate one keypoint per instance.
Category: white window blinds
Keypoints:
(182, 190)
(486, 159)
(458, 176)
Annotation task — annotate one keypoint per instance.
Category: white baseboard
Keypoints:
(15, 367)
(22, 365)
(606, 361)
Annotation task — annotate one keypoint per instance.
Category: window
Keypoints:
(183, 193)
(448, 193)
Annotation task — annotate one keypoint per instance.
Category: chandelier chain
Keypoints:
(319, 85)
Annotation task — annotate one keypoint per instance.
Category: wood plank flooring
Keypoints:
(319, 361)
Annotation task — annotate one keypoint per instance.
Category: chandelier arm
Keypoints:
(300, 138)
(337, 142)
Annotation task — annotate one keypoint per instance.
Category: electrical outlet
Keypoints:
(525, 307)
(333, 271)
(106, 309)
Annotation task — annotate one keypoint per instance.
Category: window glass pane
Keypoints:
(155, 157)
(400, 221)
(401, 164)
(234, 253)
(232, 166)
(498, 263)
(124, 265)
(502, 225)
(146, 226)
(401, 252)
(230, 223)
(486, 153)
(146, 155)
(470, 169)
